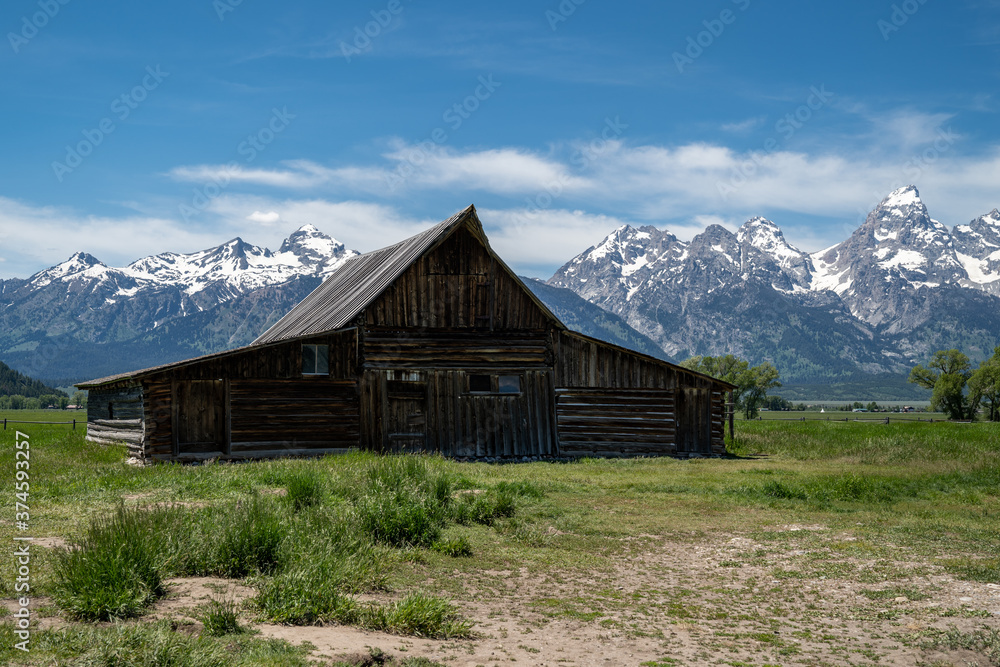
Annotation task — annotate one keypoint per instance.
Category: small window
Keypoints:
(315, 359)
(510, 384)
(480, 384)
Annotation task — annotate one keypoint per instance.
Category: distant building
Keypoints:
(429, 345)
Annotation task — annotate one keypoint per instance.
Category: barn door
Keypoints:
(200, 417)
(405, 412)
(694, 421)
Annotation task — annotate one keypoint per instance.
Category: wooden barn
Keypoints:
(429, 345)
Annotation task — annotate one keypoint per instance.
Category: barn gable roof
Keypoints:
(362, 279)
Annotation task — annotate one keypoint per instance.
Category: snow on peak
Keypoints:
(766, 236)
(905, 196)
(78, 263)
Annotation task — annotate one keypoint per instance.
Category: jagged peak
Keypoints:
(83, 258)
(715, 232)
(902, 197)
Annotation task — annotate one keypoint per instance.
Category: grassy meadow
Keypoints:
(819, 543)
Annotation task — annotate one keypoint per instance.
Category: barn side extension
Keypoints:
(429, 345)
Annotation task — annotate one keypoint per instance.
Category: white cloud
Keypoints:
(34, 238)
(581, 190)
(744, 126)
(268, 218)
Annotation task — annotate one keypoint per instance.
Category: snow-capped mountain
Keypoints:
(765, 236)
(82, 319)
(900, 286)
(82, 301)
(232, 268)
(977, 247)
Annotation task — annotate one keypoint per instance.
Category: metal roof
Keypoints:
(356, 284)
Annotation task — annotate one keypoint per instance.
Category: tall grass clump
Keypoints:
(326, 557)
(249, 539)
(113, 572)
(305, 489)
(220, 618)
(417, 614)
(159, 644)
(401, 501)
(498, 502)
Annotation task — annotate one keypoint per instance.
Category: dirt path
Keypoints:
(729, 601)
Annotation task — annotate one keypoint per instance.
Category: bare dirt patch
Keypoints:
(726, 600)
(186, 594)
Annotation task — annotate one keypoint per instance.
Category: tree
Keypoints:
(984, 386)
(80, 399)
(762, 378)
(947, 375)
(752, 383)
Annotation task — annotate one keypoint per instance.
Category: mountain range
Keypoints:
(82, 319)
(902, 286)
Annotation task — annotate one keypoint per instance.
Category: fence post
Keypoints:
(74, 424)
(5, 423)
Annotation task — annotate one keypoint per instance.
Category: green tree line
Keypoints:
(957, 389)
(752, 382)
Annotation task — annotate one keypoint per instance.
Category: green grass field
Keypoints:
(837, 415)
(819, 543)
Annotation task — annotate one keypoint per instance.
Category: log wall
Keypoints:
(115, 415)
(618, 422)
(614, 402)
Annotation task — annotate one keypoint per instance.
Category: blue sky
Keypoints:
(136, 128)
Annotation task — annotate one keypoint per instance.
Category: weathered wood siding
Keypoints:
(614, 402)
(458, 285)
(268, 407)
(391, 348)
(617, 422)
(585, 362)
(115, 415)
(293, 417)
(433, 410)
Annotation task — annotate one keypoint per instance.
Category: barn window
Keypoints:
(315, 359)
(510, 384)
(480, 384)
